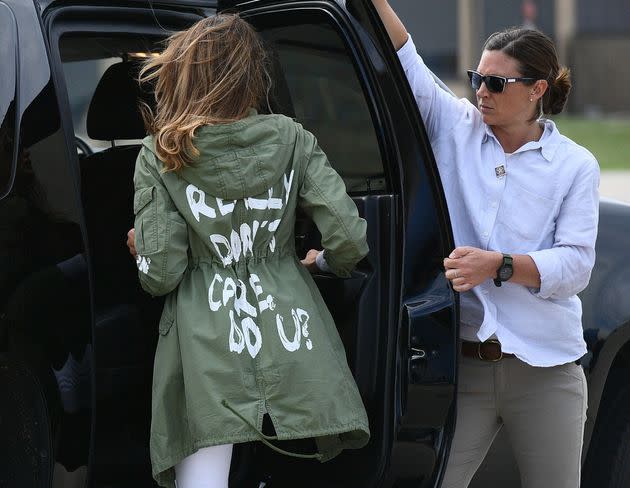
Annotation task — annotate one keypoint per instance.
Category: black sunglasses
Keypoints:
(494, 84)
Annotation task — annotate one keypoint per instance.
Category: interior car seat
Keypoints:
(107, 181)
(126, 317)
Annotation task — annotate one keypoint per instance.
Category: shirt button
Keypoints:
(485, 234)
(494, 204)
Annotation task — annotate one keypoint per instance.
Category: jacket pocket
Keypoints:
(145, 210)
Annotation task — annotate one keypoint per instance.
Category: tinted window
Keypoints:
(81, 80)
(85, 59)
(314, 68)
(7, 97)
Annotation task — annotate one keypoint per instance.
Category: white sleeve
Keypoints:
(440, 110)
(565, 269)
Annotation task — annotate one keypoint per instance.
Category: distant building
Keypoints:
(593, 39)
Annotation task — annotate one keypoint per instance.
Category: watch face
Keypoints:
(505, 273)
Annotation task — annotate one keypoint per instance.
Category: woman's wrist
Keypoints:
(320, 262)
(496, 259)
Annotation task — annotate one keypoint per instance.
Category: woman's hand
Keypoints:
(309, 261)
(467, 267)
(131, 242)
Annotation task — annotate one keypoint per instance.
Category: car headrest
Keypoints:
(114, 112)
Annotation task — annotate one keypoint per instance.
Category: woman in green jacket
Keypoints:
(244, 332)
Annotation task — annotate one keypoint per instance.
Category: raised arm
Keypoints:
(395, 28)
(440, 110)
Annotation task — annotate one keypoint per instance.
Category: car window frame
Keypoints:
(125, 21)
(10, 45)
(280, 18)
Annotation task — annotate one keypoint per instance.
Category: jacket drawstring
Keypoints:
(266, 438)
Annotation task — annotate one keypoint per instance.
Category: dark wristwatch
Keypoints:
(505, 271)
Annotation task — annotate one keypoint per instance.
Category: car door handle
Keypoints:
(417, 354)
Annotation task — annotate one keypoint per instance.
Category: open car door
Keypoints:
(335, 71)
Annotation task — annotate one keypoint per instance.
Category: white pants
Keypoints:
(209, 467)
(543, 410)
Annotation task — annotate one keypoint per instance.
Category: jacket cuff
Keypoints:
(321, 263)
(339, 268)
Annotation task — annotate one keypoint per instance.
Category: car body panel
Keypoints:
(8, 96)
(606, 304)
(403, 316)
(46, 334)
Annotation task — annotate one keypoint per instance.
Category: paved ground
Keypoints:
(615, 184)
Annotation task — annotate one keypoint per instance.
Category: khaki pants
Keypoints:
(543, 410)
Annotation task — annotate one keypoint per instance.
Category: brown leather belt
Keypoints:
(489, 350)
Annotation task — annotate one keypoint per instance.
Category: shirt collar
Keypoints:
(548, 142)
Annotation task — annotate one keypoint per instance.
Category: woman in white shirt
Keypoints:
(523, 201)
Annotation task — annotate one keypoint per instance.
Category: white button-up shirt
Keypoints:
(542, 200)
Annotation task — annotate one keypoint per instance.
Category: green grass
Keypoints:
(607, 139)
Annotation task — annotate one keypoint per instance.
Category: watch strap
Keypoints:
(507, 262)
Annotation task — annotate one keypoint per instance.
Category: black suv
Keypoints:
(77, 335)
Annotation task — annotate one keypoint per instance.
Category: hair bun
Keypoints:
(558, 92)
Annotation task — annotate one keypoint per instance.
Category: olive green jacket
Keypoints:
(244, 331)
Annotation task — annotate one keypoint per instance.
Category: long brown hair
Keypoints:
(211, 73)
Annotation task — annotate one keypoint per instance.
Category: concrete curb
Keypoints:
(615, 184)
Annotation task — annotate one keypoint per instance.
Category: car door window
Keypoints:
(314, 68)
(81, 79)
(7, 97)
(85, 59)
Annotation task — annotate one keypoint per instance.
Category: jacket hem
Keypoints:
(163, 470)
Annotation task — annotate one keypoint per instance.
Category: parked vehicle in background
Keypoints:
(77, 335)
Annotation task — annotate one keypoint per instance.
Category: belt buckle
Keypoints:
(490, 341)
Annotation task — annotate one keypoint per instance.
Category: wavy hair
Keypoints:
(211, 73)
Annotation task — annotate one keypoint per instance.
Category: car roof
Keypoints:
(44, 4)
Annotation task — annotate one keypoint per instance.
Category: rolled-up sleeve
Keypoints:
(565, 269)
